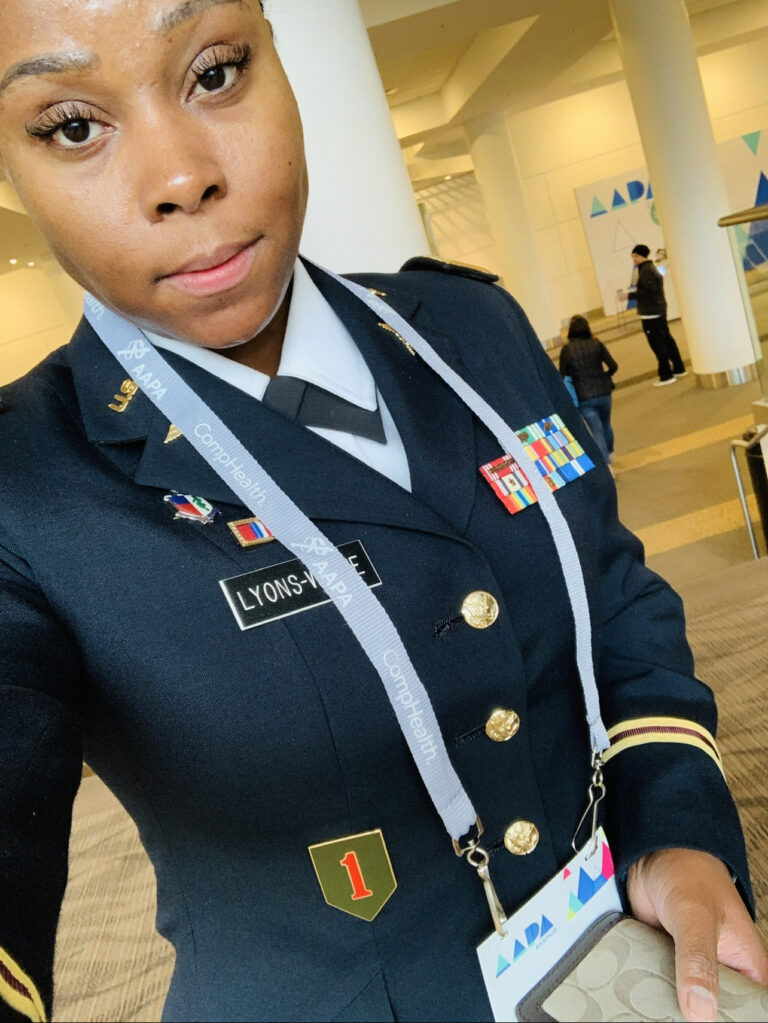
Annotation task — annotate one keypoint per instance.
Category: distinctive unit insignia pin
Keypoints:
(196, 509)
(355, 873)
(250, 532)
(128, 391)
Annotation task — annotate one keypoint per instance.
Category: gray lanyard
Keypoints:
(362, 612)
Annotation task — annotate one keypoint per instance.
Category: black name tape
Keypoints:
(288, 588)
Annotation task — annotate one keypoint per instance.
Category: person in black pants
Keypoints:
(582, 359)
(648, 290)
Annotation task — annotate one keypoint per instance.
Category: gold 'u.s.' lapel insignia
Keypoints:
(355, 873)
(128, 391)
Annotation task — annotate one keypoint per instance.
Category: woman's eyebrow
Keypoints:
(187, 9)
(48, 64)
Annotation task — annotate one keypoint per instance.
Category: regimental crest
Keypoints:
(355, 873)
(554, 451)
(250, 532)
(196, 509)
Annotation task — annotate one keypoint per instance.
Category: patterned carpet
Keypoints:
(111, 965)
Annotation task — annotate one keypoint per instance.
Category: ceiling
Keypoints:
(446, 62)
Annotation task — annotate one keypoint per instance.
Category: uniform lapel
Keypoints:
(436, 427)
(323, 480)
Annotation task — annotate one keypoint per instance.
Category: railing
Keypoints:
(746, 446)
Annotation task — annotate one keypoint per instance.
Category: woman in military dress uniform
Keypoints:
(151, 622)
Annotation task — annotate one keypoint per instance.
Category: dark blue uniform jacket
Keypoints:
(234, 751)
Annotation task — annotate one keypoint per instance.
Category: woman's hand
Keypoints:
(690, 894)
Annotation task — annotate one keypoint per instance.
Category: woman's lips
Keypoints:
(212, 275)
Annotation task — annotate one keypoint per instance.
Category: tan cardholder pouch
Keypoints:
(622, 969)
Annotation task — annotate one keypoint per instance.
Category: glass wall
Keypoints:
(748, 232)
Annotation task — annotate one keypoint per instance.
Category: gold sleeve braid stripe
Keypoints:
(640, 731)
(18, 991)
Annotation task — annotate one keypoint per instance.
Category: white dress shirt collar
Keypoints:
(317, 348)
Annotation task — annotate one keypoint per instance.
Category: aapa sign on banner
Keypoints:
(618, 213)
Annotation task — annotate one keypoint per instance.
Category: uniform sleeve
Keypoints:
(664, 776)
(40, 767)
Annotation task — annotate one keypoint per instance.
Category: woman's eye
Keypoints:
(75, 133)
(67, 129)
(219, 68)
(216, 78)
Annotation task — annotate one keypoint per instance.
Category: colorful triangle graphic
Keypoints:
(608, 870)
(566, 874)
(546, 926)
(753, 140)
(649, 192)
(618, 199)
(573, 906)
(597, 208)
(762, 191)
(501, 966)
(517, 951)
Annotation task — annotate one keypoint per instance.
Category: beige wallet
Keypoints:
(621, 969)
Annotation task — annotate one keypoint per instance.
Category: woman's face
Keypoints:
(158, 147)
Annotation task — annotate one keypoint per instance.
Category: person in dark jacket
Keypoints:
(648, 290)
(589, 364)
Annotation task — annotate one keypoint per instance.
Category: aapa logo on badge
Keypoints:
(533, 934)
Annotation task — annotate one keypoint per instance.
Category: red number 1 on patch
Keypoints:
(355, 873)
(352, 866)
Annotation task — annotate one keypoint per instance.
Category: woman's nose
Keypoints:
(180, 174)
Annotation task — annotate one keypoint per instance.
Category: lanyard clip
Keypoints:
(479, 859)
(469, 845)
(469, 841)
(596, 796)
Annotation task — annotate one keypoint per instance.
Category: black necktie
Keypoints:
(310, 405)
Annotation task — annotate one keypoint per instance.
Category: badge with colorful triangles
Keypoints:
(355, 873)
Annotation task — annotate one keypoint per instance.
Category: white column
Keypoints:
(498, 178)
(362, 213)
(676, 133)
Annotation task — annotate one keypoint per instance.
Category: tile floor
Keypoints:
(674, 476)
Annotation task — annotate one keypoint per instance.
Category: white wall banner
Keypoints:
(619, 212)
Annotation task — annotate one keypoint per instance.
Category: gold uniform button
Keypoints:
(502, 725)
(521, 838)
(480, 609)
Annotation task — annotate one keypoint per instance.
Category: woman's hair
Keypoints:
(578, 328)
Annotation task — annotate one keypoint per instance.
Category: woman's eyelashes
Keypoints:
(219, 68)
(67, 126)
(75, 125)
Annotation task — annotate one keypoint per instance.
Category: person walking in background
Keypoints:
(648, 290)
(589, 364)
